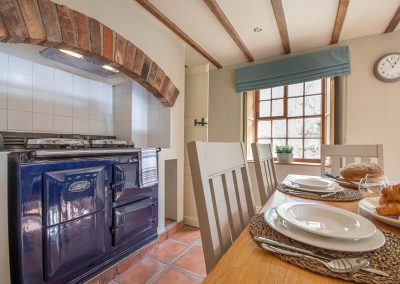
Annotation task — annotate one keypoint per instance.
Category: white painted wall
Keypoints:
(373, 106)
(130, 20)
(39, 98)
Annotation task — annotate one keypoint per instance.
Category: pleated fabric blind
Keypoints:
(297, 69)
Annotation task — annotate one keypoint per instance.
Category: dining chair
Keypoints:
(223, 194)
(342, 155)
(265, 170)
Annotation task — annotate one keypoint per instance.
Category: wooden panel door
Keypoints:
(196, 107)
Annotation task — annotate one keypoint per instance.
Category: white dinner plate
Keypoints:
(369, 244)
(313, 182)
(327, 221)
(318, 190)
(368, 205)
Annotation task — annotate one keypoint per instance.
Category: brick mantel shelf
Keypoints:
(45, 23)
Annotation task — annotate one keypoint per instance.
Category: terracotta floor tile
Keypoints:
(169, 221)
(198, 243)
(168, 251)
(141, 272)
(187, 235)
(176, 276)
(193, 261)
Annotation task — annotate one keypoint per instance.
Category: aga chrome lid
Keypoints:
(56, 143)
(111, 143)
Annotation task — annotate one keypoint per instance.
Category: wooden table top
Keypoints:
(245, 262)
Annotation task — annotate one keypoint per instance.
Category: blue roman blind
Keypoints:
(297, 69)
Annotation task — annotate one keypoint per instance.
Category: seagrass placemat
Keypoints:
(387, 258)
(346, 195)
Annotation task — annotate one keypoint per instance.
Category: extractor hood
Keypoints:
(78, 61)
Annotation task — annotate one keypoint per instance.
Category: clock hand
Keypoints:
(387, 59)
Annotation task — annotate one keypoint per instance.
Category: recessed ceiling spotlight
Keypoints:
(257, 29)
(112, 69)
(69, 52)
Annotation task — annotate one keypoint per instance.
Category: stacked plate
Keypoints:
(325, 227)
(312, 184)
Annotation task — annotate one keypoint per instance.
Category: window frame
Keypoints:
(286, 117)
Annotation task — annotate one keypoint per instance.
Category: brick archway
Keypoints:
(44, 23)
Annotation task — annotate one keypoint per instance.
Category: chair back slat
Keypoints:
(265, 170)
(342, 155)
(223, 194)
(221, 213)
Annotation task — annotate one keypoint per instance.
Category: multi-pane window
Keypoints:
(294, 116)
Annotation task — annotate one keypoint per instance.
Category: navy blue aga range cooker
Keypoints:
(75, 211)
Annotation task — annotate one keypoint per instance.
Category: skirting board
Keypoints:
(194, 222)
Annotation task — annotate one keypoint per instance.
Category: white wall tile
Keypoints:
(43, 122)
(19, 120)
(19, 91)
(19, 64)
(43, 104)
(3, 88)
(3, 119)
(80, 125)
(35, 97)
(43, 71)
(63, 99)
(96, 126)
(62, 77)
(3, 60)
(62, 124)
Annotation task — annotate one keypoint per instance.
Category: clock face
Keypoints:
(387, 68)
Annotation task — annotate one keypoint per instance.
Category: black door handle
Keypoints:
(202, 122)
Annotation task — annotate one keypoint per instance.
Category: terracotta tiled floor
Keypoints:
(169, 221)
(177, 260)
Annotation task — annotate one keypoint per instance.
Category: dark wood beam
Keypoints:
(171, 25)
(220, 15)
(281, 22)
(340, 16)
(394, 22)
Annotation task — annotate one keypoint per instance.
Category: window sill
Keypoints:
(293, 163)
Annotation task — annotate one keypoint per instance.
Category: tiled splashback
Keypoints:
(38, 98)
(139, 116)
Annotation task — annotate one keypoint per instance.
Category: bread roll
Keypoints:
(356, 172)
(390, 194)
(392, 208)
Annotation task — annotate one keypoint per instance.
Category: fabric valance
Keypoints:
(296, 69)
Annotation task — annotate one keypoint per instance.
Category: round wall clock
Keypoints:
(387, 68)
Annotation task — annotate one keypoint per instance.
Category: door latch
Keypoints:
(202, 122)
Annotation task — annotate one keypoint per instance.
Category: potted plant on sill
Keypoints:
(285, 154)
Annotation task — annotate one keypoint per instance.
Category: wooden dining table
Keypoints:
(246, 262)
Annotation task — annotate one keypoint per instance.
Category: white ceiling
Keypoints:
(310, 24)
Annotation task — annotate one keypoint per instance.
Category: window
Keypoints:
(293, 115)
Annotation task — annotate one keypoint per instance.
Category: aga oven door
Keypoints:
(132, 221)
(74, 219)
(126, 183)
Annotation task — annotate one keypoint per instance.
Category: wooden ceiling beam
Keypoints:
(340, 16)
(171, 25)
(394, 22)
(281, 22)
(224, 21)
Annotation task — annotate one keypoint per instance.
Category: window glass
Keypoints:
(293, 116)
(295, 90)
(278, 92)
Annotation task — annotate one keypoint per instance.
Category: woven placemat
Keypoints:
(346, 195)
(387, 258)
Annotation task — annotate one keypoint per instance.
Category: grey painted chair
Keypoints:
(265, 170)
(223, 195)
